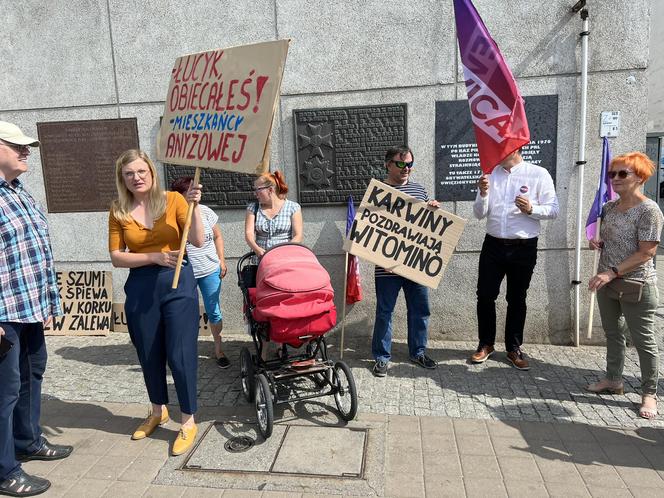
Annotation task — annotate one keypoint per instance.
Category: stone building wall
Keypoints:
(93, 59)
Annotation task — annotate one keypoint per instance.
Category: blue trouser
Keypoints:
(163, 326)
(21, 372)
(417, 304)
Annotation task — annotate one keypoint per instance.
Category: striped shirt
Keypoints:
(270, 232)
(204, 260)
(28, 284)
(414, 190)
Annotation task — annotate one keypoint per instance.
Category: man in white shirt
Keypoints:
(513, 198)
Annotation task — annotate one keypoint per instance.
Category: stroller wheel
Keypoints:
(345, 392)
(247, 374)
(264, 409)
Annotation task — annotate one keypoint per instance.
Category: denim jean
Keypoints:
(639, 318)
(21, 372)
(210, 286)
(417, 304)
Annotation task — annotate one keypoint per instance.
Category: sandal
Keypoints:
(648, 412)
(606, 386)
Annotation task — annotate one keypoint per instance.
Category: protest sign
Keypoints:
(120, 320)
(403, 234)
(220, 106)
(86, 303)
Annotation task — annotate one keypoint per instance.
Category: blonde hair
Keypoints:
(122, 206)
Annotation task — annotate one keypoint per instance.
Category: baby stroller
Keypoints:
(288, 299)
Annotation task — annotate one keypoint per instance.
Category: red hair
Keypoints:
(275, 180)
(638, 162)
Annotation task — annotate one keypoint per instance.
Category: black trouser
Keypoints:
(500, 258)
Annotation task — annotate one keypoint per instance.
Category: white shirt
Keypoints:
(504, 219)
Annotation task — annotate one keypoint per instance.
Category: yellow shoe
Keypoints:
(185, 439)
(150, 424)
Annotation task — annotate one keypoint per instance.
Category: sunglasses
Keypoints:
(622, 174)
(18, 148)
(403, 164)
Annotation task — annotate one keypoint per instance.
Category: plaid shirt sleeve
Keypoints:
(28, 284)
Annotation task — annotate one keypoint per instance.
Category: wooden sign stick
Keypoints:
(185, 233)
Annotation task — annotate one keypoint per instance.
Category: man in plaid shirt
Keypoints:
(28, 300)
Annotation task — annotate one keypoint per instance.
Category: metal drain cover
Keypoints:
(239, 444)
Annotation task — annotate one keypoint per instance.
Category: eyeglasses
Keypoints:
(622, 174)
(258, 189)
(17, 147)
(403, 164)
(141, 173)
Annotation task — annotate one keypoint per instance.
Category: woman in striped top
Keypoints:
(209, 265)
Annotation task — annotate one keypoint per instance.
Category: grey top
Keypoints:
(622, 232)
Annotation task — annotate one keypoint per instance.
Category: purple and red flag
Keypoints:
(604, 193)
(496, 106)
(353, 287)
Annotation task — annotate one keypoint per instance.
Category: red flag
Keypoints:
(496, 106)
(353, 287)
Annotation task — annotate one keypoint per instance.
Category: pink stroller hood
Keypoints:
(291, 283)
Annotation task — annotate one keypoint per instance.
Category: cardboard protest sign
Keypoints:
(87, 300)
(220, 106)
(120, 320)
(403, 234)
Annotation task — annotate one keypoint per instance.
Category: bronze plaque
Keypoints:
(221, 189)
(78, 161)
(339, 150)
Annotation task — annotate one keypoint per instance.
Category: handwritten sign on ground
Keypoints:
(404, 235)
(87, 301)
(120, 320)
(220, 106)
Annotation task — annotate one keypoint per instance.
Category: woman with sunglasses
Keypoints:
(630, 233)
(144, 230)
(272, 219)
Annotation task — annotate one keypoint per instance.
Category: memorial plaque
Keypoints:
(221, 189)
(457, 160)
(339, 150)
(78, 161)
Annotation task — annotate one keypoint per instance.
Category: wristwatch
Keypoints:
(614, 269)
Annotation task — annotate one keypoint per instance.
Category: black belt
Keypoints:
(513, 242)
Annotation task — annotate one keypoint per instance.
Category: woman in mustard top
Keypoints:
(144, 230)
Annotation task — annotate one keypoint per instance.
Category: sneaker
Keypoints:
(222, 362)
(517, 359)
(424, 361)
(380, 368)
(482, 354)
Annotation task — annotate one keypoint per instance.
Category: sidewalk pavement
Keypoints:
(459, 430)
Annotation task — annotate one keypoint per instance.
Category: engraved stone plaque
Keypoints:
(339, 150)
(221, 189)
(457, 160)
(78, 161)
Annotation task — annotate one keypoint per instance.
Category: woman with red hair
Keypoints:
(272, 219)
(626, 282)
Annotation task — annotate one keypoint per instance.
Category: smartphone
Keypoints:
(5, 346)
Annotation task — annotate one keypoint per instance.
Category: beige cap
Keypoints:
(11, 133)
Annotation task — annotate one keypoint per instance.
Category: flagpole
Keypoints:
(591, 311)
(581, 166)
(343, 313)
